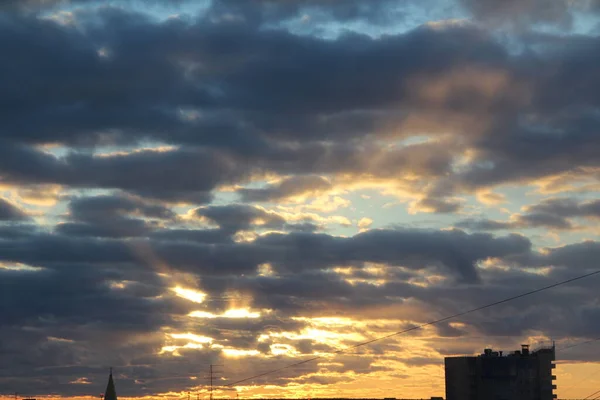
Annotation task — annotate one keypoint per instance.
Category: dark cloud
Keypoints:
(114, 216)
(257, 12)
(192, 235)
(176, 175)
(10, 212)
(521, 13)
(567, 208)
(191, 175)
(553, 213)
(578, 256)
(157, 115)
(233, 218)
(242, 69)
(83, 307)
(297, 185)
(523, 221)
(413, 249)
(483, 224)
(258, 88)
(438, 205)
(517, 153)
(73, 316)
(453, 250)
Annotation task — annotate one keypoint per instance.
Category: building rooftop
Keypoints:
(524, 352)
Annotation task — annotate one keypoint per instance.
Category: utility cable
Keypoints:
(579, 344)
(593, 394)
(587, 376)
(416, 327)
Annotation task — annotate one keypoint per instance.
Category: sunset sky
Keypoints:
(253, 183)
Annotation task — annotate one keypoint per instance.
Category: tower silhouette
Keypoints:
(110, 393)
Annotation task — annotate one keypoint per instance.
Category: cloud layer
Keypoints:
(249, 183)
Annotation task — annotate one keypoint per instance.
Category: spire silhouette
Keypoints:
(111, 393)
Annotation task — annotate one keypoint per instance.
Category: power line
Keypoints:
(579, 344)
(460, 314)
(583, 380)
(587, 376)
(593, 394)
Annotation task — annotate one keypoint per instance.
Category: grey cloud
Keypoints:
(258, 90)
(578, 256)
(543, 220)
(439, 205)
(525, 152)
(239, 102)
(71, 316)
(192, 235)
(109, 95)
(296, 185)
(10, 212)
(233, 218)
(454, 250)
(69, 287)
(115, 229)
(103, 206)
(191, 174)
(521, 13)
(113, 216)
(274, 12)
(446, 330)
(483, 224)
(554, 213)
(277, 86)
(72, 299)
(521, 221)
(567, 207)
(187, 175)
(17, 231)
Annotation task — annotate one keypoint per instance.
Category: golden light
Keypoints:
(174, 349)
(234, 353)
(120, 285)
(81, 381)
(330, 338)
(190, 294)
(169, 349)
(15, 266)
(58, 339)
(259, 222)
(202, 314)
(192, 337)
(279, 349)
(374, 282)
(364, 224)
(265, 270)
(245, 237)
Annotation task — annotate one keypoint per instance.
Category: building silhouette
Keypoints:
(110, 393)
(519, 375)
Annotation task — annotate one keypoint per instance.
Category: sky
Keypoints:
(255, 183)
